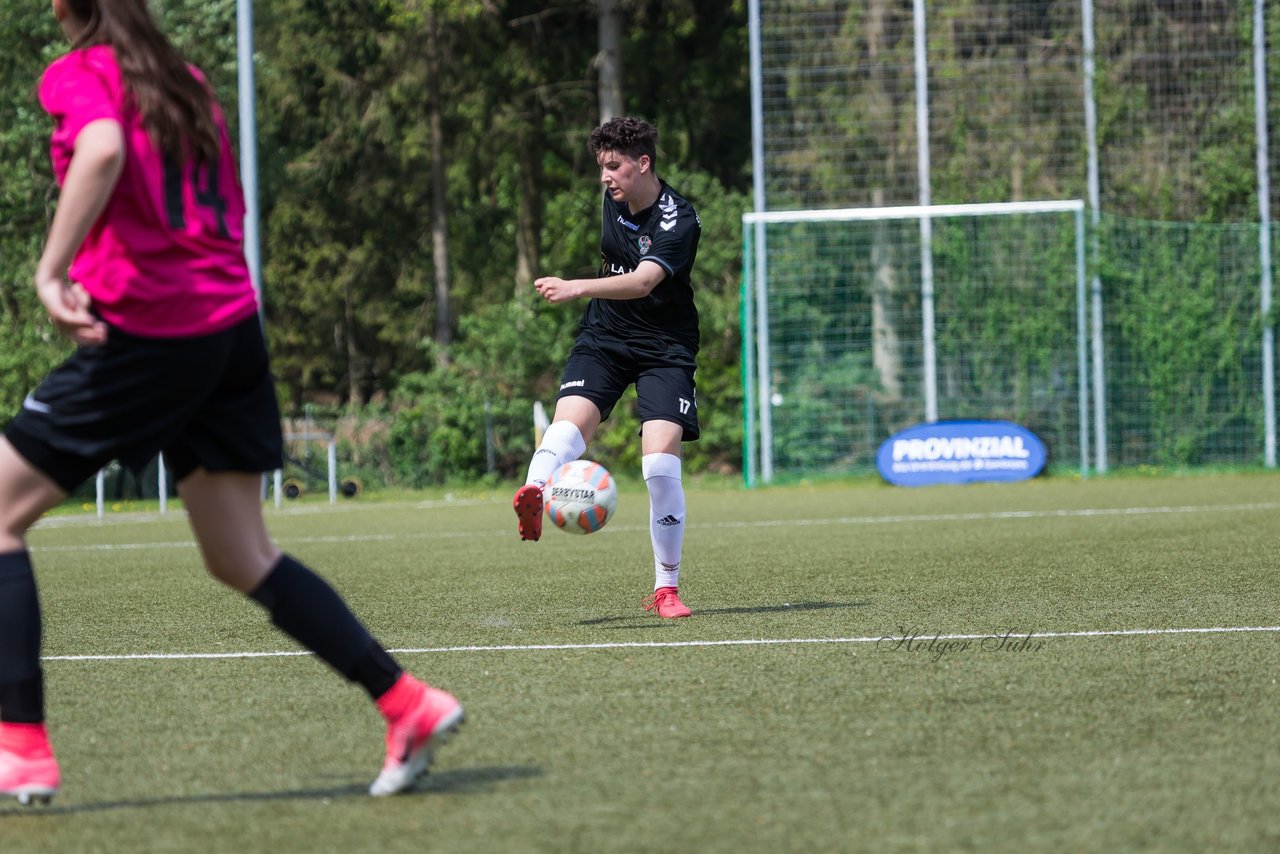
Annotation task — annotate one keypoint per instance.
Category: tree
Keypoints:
(608, 60)
(29, 345)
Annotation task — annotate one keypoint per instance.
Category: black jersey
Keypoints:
(666, 233)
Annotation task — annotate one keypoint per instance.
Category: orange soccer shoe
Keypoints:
(429, 718)
(666, 602)
(528, 506)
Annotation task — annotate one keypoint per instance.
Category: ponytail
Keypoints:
(176, 107)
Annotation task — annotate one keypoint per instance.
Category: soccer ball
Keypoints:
(581, 497)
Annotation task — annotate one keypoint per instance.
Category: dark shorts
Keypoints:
(600, 368)
(205, 402)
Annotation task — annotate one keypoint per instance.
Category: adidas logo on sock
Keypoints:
(668, 521)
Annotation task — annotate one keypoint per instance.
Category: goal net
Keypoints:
(858, 323)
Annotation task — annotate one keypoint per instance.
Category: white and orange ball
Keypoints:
(580, 497)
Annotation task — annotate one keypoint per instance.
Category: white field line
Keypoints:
(558, 647)
(140, 517)
(761, 523)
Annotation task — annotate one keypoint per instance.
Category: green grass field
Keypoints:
(845, 683)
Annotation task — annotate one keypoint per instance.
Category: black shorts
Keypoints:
(600, 368)
(206, 402)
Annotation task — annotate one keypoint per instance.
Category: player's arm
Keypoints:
(95, 168)
(637, 284)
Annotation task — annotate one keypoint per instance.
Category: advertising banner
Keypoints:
(961, 452)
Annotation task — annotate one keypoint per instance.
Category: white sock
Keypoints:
(666, 516)
(561, 443)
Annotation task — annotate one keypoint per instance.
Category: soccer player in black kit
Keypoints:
(640, 326)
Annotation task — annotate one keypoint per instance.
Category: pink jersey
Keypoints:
(165, 257)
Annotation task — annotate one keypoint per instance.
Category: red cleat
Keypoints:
(528, 506)
(412, 739)
(666, 602)
(28, 779)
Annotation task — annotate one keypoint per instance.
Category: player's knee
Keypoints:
(660, 465)
(565, 439)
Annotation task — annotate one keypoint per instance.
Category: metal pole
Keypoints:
(1082, 344)
(249, 162)
(490, 463)
(332, 463)
(1264, 234)
(248, 142)
(761, 255)
(930, 354)
(1095, 192)
(762, 360)
(306, 446)
(749, 471)
(248, 112)
(162, 486)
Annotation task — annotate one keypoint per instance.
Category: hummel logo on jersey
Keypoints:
(573, 384)
(668, 207)
(36, 405)
(628, 224)
(668, 521)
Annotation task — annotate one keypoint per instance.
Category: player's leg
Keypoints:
(595, 375)
(565, 440)
(665, 395)
(28, 769)
(660, 464)
(237, 430)
(572, 427)
(226, 515)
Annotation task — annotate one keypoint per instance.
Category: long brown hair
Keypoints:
(176, 108)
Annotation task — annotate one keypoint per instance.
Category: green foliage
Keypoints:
(1165, 122)
(29, 345)
(828, 399)
(442, 435)
(205, 31)
(1006, 330)
(1184, 369)
(446, 421)
(826, 418)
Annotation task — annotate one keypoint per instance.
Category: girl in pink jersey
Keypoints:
(143, 269)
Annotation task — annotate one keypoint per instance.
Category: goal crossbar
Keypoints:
(915, 211)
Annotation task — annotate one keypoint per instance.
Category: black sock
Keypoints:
(307, 609)
(22, 702)
(21, 680)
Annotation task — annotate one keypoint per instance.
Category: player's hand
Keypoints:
(554, 289)
(68, 308)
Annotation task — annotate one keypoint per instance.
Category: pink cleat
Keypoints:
(666, 602)
(28, 779)
(432, 717)
(528, 505)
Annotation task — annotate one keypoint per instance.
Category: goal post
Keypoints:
(863, 321)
